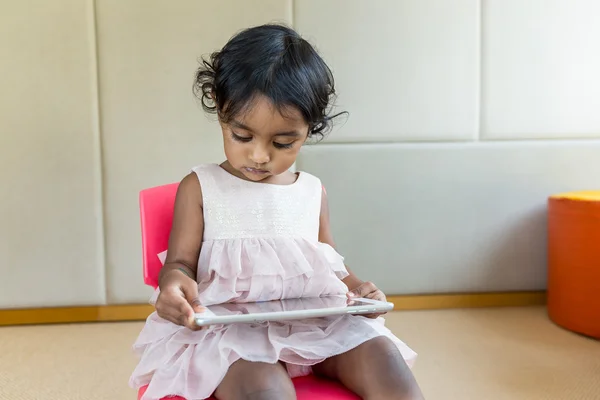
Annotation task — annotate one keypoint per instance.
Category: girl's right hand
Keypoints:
(178, 299)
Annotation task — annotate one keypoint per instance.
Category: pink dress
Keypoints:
(260, 243)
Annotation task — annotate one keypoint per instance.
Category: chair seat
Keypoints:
(307, 388)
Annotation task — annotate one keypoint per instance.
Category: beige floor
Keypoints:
(487, 354)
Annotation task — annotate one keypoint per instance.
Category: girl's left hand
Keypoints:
(368, 290)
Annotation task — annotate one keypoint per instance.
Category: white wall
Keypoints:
(406, 70)
(135, 58)
(153, 129)
(50, 221)
(464, 117)
(540, 62)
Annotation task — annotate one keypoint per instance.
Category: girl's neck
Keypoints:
(285, 179)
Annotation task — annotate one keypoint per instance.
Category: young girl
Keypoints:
(249, 230)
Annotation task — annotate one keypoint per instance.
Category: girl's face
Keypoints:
(262, 143)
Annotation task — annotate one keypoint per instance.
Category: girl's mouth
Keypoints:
(256, 171)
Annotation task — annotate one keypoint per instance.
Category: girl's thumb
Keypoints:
(190, 291)
(197, 306)
(356, 292)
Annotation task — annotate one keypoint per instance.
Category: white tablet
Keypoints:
(289, 309)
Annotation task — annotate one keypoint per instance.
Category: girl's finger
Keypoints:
(172, 315)
(191, 323)
(363, 290)
(376, 295)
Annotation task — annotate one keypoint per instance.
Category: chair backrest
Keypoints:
(156, 215)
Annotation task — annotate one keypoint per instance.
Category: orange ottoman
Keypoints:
(574, 261)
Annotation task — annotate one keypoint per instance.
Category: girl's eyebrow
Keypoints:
(239, 125)
(290, 134)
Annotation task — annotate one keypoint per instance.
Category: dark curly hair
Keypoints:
(270, 60)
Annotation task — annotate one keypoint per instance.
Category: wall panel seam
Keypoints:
(97, 145)
(480, 88)
(493, 140)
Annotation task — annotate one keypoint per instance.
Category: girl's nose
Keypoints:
(260, 155)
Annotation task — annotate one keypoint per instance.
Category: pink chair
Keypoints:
(156, 214)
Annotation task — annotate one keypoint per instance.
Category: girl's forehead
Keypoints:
(262, 116)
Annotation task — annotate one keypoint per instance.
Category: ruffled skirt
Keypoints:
(177, 361)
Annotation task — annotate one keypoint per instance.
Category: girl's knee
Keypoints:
(391, 376)
(267, 384)
(382, 346)
(258, 381)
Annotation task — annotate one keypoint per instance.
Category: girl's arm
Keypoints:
(178, 298)
(187, 230)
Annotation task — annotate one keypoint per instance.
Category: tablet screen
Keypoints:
(302, 304)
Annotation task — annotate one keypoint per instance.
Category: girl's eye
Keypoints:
(239, 138)
(283, 145)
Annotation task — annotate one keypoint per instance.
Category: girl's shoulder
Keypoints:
(205, 168)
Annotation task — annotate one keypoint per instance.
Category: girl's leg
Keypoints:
(256, 381)
(374, 370)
